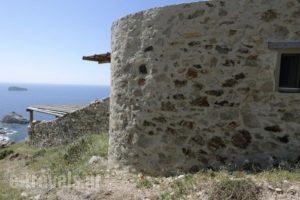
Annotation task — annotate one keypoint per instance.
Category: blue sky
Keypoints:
(43, 41)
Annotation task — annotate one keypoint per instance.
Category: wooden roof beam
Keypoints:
(100, 58)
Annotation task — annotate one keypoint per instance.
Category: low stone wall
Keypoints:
(92, 119)
(194, 86)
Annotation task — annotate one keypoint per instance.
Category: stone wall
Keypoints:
(194, 86)
(93, 118)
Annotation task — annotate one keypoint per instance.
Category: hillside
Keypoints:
(79, 171)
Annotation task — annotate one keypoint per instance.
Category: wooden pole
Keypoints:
(30, 115)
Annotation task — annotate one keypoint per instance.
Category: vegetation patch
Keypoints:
(212, 185)
(144, 183)
(180, 188)
(74, 151)
(5, 153)
(235, 189)
(74, 157)
(279, 175)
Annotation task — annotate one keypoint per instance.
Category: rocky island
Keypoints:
(14, 118)
(15, 88)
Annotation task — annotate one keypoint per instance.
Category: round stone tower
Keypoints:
(195, 86)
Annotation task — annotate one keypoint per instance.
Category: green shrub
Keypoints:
(5, 153)
(86, 147)
(39, 153)
(74, 151)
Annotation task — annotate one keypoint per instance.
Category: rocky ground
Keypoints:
(79, 171)
(117, 184)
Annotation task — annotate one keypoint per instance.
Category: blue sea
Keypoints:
(39, 94)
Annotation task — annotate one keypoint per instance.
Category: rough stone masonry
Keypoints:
(92, 119)
(194, 86)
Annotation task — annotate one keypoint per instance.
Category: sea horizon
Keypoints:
(63, 84)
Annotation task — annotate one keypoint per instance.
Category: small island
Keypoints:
(14, 118)
(15, 88)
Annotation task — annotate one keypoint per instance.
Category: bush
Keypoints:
(235, 190)
(75, 150)
(39, 153)
(85, 147)
(5, 153)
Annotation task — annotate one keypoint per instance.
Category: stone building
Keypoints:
(72, 121)
(89, 119)
(206, 84)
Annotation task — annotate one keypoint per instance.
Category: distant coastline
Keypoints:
(16, 88)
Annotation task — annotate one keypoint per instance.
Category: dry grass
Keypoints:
(206, 184)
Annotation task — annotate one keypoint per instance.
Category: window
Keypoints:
(289, 75)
